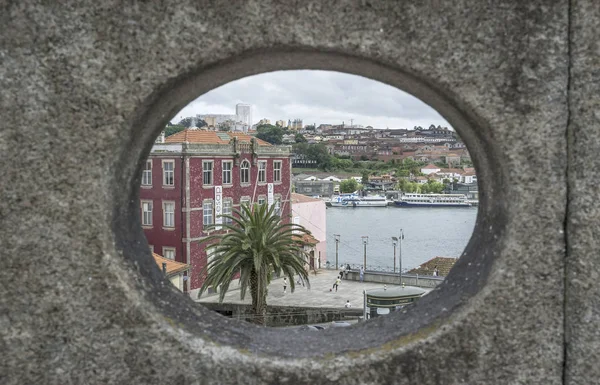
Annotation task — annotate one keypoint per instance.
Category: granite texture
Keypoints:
(86, 86)
(582, 269)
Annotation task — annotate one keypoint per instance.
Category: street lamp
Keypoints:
(394, 242)
(337, 242)
(365, 240)
(400, 238)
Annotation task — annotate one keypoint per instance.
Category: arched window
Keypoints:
(245, 172)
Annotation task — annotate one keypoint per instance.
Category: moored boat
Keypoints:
(433, 200)
(354, 200)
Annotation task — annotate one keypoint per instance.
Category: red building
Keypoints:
(194, 177)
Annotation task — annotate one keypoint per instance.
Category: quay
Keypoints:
(322, 304)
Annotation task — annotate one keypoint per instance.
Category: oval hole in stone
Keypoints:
(425, 311)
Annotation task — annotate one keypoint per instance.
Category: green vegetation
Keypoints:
(192, 122)
(348, 186)
(255, 246)
(270, 133)
(173, 129)
(431, 187)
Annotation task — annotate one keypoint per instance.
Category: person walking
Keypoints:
(284, 284)
(337, 282)
(362, 273)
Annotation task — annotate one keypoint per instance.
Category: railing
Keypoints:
(357, 266)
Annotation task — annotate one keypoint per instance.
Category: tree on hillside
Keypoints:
(365, 178)
(348, 185)
(255, 246)
(192, 121)
(270, 133)
(314, 152)
(299, 138)
(225, 126)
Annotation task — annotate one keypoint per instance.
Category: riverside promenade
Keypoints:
(317, 296)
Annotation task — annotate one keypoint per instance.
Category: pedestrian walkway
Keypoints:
(319, 294)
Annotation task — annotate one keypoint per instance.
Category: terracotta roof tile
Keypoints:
(444, 264)
(210, 137)
(299, 198)
(173, 267)
(431, 167)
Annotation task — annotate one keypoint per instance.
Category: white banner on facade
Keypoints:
(218, 206)
(270, 198)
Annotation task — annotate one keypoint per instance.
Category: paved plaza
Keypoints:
(318, 295)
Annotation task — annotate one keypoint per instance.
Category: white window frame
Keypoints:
(208, 172)
(167, 250)
(245, 200)
(151, 247)
(245, 166)
(168, 214)
(277, 204)
(227, 203)
(168, 172)
(204, 212)
(277, 166)
(147, 173)
(146, 214)
(262, 199)
(262, 172)
(227, 172)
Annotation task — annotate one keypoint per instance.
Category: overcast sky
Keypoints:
(319, 97)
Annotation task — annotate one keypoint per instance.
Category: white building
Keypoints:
(244, 113)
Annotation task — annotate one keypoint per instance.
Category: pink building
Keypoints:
(196, 176)
(311, 213)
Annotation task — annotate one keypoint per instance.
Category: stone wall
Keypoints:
(286, 315)
(85, 88)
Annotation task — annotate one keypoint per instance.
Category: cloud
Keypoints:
(318, 97)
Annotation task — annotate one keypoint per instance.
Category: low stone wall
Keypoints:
(394, 279)
(286, 315)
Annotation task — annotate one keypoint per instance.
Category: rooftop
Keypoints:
(443, 264)
(299, 198)
(173, 267)
(210, 137)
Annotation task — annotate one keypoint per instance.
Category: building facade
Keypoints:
(244, 114)
(196, 176)
(311, 213)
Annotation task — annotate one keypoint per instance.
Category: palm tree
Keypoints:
(255, 244)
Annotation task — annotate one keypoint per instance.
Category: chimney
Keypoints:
(164, 268)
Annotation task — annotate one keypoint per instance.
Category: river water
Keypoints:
(428, 233)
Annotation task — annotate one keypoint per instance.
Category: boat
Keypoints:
(433, 200)
(355, 200)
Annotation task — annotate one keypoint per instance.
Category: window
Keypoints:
(277, 204)
(245, 172)
(168, 173)
(151, 248)
(262, 172)
(227, 167)
(245, 201)
(169, 252)
(277, 171)
(207, 173)
(207, 213)
(262, 200)
(147, 174)
(146, 213)
(227, 210)
(169, 214)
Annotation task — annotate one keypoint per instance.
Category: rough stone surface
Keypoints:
(582, 269)
(86, 86)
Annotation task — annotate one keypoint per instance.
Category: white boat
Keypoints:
(354, 200)
(433, 200)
